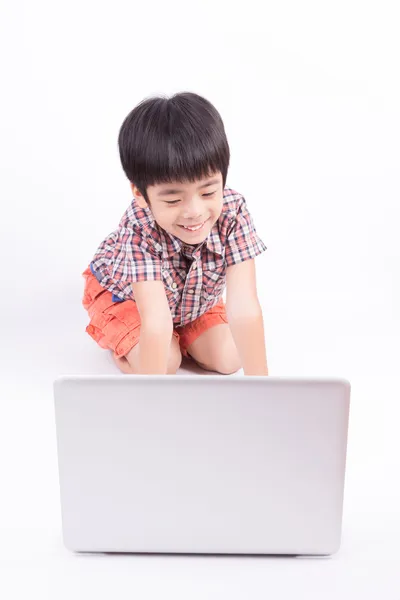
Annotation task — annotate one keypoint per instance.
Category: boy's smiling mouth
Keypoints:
(193, 228)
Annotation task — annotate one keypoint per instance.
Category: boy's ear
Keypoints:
(138, 196)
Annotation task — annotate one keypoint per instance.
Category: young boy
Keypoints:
(153, 290)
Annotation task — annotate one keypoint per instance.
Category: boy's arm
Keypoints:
(245, 317)
(156, 326)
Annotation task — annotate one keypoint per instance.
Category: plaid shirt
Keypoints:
(194, 277)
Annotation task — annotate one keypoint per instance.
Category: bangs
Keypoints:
(178, 139)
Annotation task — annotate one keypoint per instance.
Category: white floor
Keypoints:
(34, 563)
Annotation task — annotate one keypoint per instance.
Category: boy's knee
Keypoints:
(225, 364)
(228, 368)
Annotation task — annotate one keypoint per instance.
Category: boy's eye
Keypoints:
(176, 201)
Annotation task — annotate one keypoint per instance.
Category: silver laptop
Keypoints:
(202, 464)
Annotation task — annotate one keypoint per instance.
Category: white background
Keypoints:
(309, 93)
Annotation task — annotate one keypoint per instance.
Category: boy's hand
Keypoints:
(154, 349)
(245, 317)
(156, 326)
(248, 334)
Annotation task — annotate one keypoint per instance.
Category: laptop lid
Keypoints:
(201, 464)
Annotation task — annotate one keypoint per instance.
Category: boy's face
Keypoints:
(186, 210)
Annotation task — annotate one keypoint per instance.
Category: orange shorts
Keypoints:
(116, 325)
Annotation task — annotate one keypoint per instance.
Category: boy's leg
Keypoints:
(215, 350)
(116, 326)
(208, 341)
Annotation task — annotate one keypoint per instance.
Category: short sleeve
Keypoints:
(125, 257)
(242, 241)
(134, 258)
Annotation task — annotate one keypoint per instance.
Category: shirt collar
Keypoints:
(174, 244)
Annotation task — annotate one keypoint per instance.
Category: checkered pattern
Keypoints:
(194, 277)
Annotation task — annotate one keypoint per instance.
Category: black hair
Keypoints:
(181, 138)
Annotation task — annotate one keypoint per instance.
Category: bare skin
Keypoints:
(130, 363)
(213, 350)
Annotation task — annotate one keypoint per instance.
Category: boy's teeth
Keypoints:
(194, 228)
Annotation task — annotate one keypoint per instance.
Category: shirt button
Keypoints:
(190, 291)
(174, 285)
(194, 266)
(189, 315)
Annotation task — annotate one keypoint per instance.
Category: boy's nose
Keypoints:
(192, 213)
(192, 217)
